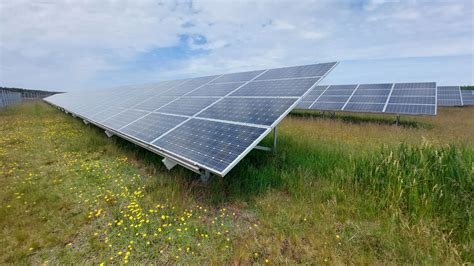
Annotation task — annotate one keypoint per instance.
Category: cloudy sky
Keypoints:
(74, 45)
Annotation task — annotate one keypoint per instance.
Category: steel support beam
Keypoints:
(263, 148)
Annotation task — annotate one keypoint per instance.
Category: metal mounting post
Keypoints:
(108, 133)
(205, 176)
(169, 164)
(263, 148)
(397, 121)
(274, 139)
(85, 121)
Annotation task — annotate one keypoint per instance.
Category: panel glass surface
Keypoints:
(412, 100)
(414, 92)
(317, 70)
(188, 86)
(219, 89)
(288, 87)
(360, 92)
(411, 109)
(415, 85)
(105, 114)
(449, 102)
(187, 106)
(368, 99)
(154, 103)
(260, 111)
(449, 96)
(236, 77)
(380, 86)
(152, 126)
(304, 105)
(316, 91)
(214, 145)
(312, 97)
(133, 101)
(364, 107)
(467, 97)
(118, 121)
(327, 106)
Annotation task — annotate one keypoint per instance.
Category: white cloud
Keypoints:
(74, 44)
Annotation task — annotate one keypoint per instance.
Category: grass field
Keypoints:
(344, 189)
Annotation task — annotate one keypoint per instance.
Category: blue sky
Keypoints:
(86, 45)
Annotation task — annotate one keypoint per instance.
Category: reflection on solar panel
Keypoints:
(207, 124)
(399, 98)
(467, 97)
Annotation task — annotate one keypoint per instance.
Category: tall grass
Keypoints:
(421, 182)
(329, 194)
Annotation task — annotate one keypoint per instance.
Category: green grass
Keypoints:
(349, 189)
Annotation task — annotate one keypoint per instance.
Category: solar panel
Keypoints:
(188, 86)
(257, 111)
(399, 98)
(365, 107)
(151, 126)
(286, 87)
(415, 92)
(327, 106)
(105, 114)
(8, 97)
(415, 85)
(363, 92)
(411, 109)
(317, 70)
(449, 96)
(236, 77)
(219, 89)
(186, 106)
(304, 105)
(333, 98)
(119, 120)
(467, 97)
(314, 93)
(412, 100)
(154, 103)
(205, 123)
(215, 145)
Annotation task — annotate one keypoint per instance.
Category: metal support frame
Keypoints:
(85, 121)
(108, 133)
(205, 176)
(397, 121)
(263, 148)
(169, 163)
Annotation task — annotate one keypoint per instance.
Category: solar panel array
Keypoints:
(395, 98)
(467, 97)
(8, 97)
(209, 123)
(449, 96)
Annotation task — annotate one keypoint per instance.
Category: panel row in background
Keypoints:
(8, 97)
(209, 122)
(467, 97)
(396, 98)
